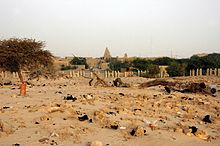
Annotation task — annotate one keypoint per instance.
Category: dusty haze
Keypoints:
(140, 28)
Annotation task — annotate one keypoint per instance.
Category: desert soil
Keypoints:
(116, 116)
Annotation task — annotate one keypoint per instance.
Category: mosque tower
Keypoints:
(107, 55)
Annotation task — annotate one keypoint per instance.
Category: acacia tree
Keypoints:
(23, 54)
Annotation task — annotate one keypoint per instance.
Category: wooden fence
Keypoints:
(207, 72)
(86, 73)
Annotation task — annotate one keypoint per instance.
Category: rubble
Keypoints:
(96, 143)
(70, 97)
(83, 118)
(44, 140)
(117, 115)
(138, 131)
(207, 119)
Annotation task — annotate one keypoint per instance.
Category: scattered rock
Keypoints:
(114, 127)
(53, 142)
(96, 143)
(5, 107)
(44, 140)
(121, 94)
(88, 96)
(83, 118)
(13, 95)
(167, 89)
(187, 131)
(139, 131)
(178, 130)
(16, 144)
(70, 97)
(201, 134)
(111, 113)
(7, 83)
(58, 92)
(194, 129)
(54, 135)
(36, 123)
(207, 119)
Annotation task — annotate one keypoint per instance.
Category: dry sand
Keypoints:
(116, 116)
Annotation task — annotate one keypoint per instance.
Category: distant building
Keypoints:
(100, 63)
(201, 55)
(107, 55)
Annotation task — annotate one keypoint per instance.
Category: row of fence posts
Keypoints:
(104, 74)
(207, 72)
(72, 73)
(114, 74)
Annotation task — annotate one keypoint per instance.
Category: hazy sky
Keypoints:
(138, 27)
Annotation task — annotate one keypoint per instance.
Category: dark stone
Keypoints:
(44, 85)
(90, 120)
(194, 129)
(83, 118)
(132, 132)
(114, 127)
(202, 85)
(167, 89)
(70, 97)
(5, 107)
(207, 119)
(213, 91)
(137, 109)
(27, 106)
(64, 119)
(121, 94)
(16, 144)
(36, 123)
(111, 113)
(7, 83)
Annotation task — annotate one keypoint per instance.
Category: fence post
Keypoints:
(200, 71)
(215, 71)
(197, 72)
(207, 71)
(193, 72)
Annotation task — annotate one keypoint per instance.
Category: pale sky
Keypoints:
(141, 28)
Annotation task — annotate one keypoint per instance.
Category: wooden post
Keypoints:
(200, 71)
(193, 72)
(207, 71)
(197, 72)
(138, 73)
(219, 72)
(215, 71)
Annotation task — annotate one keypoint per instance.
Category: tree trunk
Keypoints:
(20, 76)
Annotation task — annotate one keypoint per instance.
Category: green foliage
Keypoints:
(140, 64)
(63, 67)
(176, 69)
(152, 72)
(117, 65)
(163, 61)
(79, 61)
(209, 61)
(23, 54)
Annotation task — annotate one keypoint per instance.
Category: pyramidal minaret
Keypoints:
(107, 55)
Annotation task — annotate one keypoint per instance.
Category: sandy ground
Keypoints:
(116, 116)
